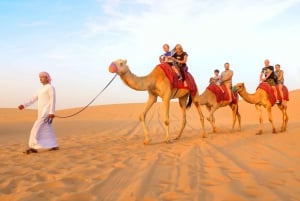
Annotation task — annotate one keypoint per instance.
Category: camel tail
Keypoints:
(190, 100)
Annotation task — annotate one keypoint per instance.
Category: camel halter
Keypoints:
(49, 121)
(234, 89)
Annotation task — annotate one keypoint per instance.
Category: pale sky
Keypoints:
(75, 41)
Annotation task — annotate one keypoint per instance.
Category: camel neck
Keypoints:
(135, 82)
(250, 98)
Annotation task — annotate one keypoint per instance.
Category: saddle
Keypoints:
(175, 82)
(285, 92)
(269, 90)
(221, 93)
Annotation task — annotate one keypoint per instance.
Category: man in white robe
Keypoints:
(42, 134)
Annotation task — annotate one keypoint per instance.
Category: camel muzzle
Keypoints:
(113, 68)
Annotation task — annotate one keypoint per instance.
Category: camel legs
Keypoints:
(258, 109)
(269, 110)
(151, 100)
(182, 103)
(283, 109)
(239, 119)
(197, 104)
(234, 110)
(235, 113)
(211, 117)
(166, 102)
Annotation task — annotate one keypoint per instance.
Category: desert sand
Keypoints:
(102, 157)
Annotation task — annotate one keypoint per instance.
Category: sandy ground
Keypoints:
(102, 157)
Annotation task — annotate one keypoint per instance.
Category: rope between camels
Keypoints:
(71, 115)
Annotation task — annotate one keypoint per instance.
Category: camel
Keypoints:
(260, 98)
(158, 85)
(208, 98)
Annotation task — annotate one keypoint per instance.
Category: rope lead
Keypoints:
(71, 115)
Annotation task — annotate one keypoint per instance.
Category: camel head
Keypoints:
(119, 66)
(238, 87)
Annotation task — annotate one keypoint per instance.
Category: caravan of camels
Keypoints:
(163, 82)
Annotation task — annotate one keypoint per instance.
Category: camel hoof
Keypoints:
(274, 131)
(282, 130)
(259, 133)
(168, 142)
(147, 142)
(176, 138)
(204, 136)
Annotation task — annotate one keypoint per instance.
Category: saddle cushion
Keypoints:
(269, 90)
(285, 92)
(221, 93)
(172, 76)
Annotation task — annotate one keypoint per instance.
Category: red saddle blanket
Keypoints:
(285, 92)
(172, 76)
(221, 93)
(268, 88)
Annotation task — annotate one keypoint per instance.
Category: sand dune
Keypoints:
(102, 157)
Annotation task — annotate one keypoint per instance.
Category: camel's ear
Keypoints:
(125, 61)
